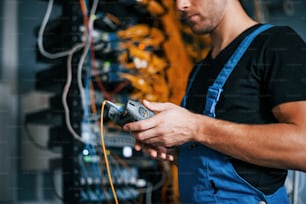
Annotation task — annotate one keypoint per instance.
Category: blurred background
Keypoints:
(59, 60)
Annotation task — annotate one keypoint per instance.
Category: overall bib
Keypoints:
(207, 176)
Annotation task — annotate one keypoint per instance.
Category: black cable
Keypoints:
(45, 148)
(31, 138)
(57, 195)
(34, 142)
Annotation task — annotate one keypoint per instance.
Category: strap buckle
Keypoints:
(212, 98)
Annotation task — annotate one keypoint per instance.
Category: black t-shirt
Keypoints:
(272, 71)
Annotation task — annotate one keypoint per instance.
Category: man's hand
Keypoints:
(157, 152)
(170, 127)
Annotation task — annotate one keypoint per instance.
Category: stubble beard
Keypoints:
(200, 28)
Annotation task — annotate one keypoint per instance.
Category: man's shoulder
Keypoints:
(279, 36)
(281, 30)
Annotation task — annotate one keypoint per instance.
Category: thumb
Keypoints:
(158, 106)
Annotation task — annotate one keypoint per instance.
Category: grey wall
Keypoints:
(35, 186)
(8, 101)
(290, 12)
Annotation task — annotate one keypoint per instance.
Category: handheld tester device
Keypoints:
(131, 111)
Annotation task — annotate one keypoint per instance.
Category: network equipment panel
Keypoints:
(113, 50)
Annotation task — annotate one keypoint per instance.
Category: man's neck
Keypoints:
(235, 21)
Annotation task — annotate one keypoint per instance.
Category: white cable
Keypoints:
(79, 79)
(66, 90)
(41, 34)
(80, 85)
(84, 55)
(94, 8)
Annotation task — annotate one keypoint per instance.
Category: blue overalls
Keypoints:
(207, 176)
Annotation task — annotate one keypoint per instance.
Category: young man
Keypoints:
(239, 150)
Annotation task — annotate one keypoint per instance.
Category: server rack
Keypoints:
(83, 50)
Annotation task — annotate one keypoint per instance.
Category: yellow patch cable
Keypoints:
(105, 153)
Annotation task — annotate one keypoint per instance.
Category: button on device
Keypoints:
(143, 112)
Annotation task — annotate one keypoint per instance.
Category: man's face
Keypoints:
(202, 15)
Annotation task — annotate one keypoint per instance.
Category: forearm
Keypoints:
(273, 145)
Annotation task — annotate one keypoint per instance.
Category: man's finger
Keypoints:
(157, 107)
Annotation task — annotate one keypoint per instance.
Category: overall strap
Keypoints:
(214, 91)
(193, 76)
